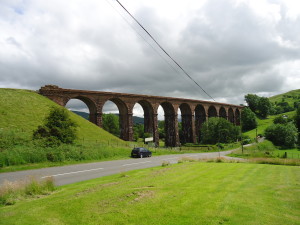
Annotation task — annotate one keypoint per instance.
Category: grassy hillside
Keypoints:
(289, 97)
(286, 102)
(186, 193)
(264, 123)
(25, 110)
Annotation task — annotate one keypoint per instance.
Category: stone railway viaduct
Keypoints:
(193, 112)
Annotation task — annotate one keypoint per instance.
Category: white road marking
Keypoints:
(136, 163)
(82, 171)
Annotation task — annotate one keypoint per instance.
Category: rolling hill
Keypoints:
(292, 98)
(25, 110)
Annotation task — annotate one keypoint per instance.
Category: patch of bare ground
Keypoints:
(160, 171)
(141, 195)
(95, 188)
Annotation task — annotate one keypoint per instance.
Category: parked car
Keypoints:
(140, 153)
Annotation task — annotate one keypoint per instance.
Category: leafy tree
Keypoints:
(58, 128)
(297, 122)
(263, 107)
(283, 107)
(111, 124)
(161, 129)
(297, 119)
(147, 135)
(284, 135)
(248, 119)
(218, 130)
(138, 131)
(252, 101)
(281, 119)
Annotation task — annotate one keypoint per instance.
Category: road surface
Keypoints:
(80, 172)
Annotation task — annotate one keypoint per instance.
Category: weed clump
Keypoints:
(10, 192)
(186, 159)
(165, 163)
(276, 161)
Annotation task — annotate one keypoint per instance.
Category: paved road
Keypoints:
(75, 173)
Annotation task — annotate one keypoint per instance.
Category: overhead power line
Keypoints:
(184, 71)
(141, 36)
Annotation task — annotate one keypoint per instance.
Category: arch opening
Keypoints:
(212, 112)
(115, 118)
(170, 125)
(237, 117)
(200, 118)
(185, 124)
(143, 120)
(231, 115)
(83, 107)
(222, 113)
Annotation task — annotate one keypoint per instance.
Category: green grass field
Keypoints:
(186, 193)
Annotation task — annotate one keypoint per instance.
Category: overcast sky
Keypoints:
(230, 47)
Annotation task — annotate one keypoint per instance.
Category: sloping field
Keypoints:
(25, 110)
(182, 194)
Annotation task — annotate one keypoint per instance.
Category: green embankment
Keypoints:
(186, 193)
(24, 111)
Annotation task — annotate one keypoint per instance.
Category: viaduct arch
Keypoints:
(194, 112)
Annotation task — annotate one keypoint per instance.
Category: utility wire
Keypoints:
(144, 38)
(163, 49)
(154, 49)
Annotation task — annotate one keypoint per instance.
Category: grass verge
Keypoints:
(184, 193)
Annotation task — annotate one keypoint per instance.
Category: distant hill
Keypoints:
(24, 110)
(82, 114)
(291, 98)
(136, 119)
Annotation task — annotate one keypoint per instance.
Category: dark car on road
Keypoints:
(140, 153)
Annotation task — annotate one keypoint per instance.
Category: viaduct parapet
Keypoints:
(193, 112)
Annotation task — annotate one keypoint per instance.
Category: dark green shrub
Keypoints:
(58, 128)
(281, 119)
(248, 119)
(217, 130)
(284, 135)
